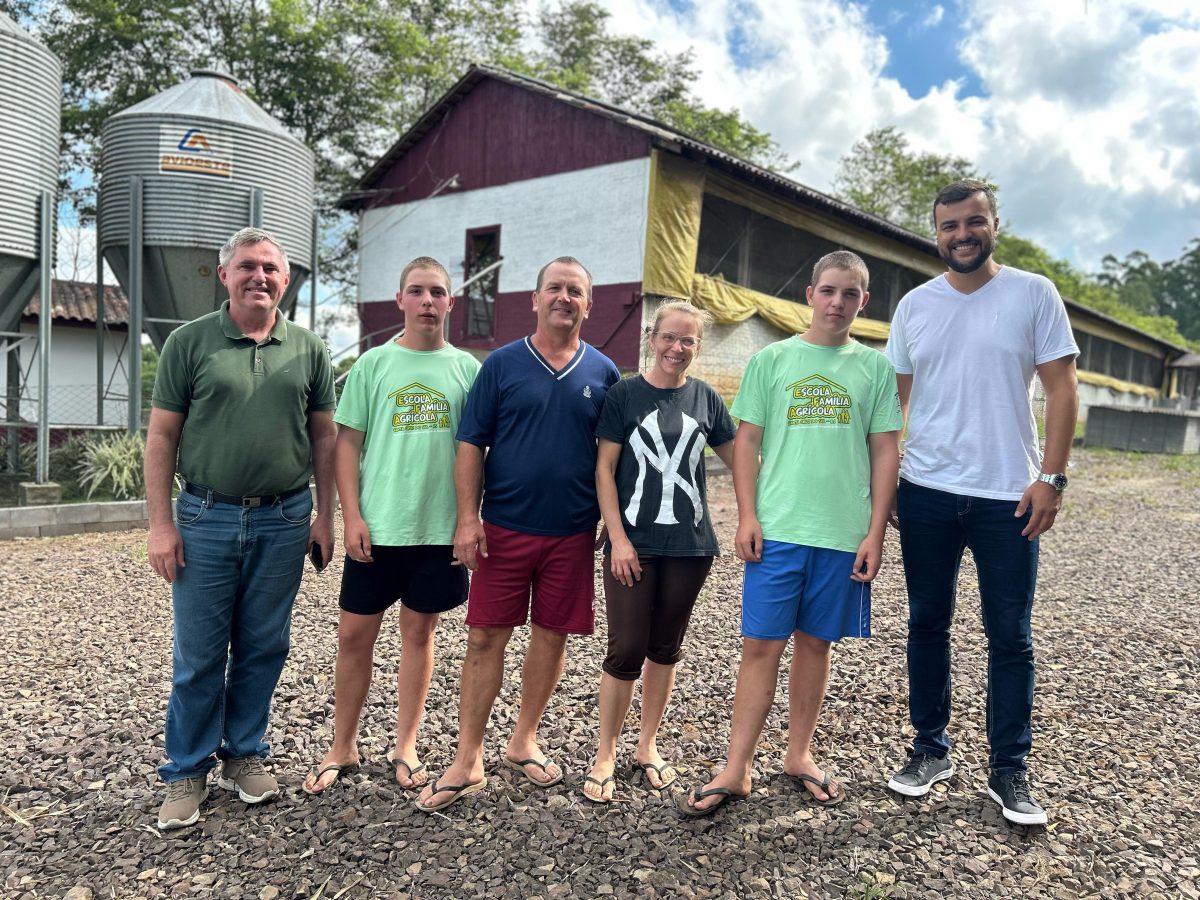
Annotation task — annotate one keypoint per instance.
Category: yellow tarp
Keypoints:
(1117, 384)
(672, 237)
(673, 225)
(730, 303)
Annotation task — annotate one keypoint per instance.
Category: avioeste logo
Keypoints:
(199, 151)
(194, 141)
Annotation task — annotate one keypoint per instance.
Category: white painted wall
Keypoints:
(72, 376)
(597, 215)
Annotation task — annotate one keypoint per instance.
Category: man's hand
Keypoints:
(626, 567)
(357, 538)
(470, 542)
(165, 547)
(893, 516)
(1046, 502)
(321, 534)
(747, 544)
(868, 559)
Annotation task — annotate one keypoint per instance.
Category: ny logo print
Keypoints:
(675, 473)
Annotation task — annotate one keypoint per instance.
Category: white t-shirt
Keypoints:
(971, 428)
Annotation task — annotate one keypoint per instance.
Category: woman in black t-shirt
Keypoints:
(650, 484)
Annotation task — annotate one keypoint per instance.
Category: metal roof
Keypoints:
(662, 134)
(76, 301)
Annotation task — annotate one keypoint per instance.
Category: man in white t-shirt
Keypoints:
(966, 347)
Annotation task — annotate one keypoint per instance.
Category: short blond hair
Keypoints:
(425, 262)
(842, 259)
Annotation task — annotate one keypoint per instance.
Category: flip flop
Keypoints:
(601, 800)
(396, 763)
(658, 770)
(823, 784)
(520, 764)
(340, 768)
(726, 795)
(457, 792)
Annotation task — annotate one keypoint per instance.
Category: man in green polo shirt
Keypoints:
(243, 403)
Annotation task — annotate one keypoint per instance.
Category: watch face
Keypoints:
(1057, 481)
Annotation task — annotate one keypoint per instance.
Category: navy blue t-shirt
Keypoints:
(539, 424)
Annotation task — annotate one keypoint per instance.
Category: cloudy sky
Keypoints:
(1086, 113)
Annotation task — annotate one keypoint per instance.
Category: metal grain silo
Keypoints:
(181, 172)
(30, 98)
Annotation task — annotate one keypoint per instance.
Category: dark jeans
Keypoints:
(232, 610)
(935, 528)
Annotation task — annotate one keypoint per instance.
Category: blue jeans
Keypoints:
(232, 610)
(935, 528)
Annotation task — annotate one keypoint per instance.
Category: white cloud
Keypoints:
(934, 17)
(1090, 120)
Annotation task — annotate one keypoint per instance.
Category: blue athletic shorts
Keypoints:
(802, 588)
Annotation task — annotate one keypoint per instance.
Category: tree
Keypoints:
(1170, 289)
(1073, 284)
(1179, 294)
(881, 175)
(574, 49)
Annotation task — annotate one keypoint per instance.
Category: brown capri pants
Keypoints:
(649, 620)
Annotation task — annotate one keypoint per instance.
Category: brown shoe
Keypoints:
(250, 778)
(182, 806)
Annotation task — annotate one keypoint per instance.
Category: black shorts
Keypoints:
(420, 577)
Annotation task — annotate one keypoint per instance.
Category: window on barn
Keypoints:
(1147, 369)
(1120, 361)
(753, 250)
(1084, 340)
(483, 249)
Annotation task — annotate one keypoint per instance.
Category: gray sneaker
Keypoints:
(920, 773)
(182, 806)
(1012, 793)
(249, 778)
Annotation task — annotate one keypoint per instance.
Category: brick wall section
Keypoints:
(71, 518)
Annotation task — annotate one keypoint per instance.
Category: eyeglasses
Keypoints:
(686, 341)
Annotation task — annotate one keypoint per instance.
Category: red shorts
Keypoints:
(560, 571)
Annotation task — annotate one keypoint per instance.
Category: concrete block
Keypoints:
(77, 513)
(60, 529)
(32, 516)
(30, 493)
(122, 511)
(21, 531)
(5, 519)
(96, 527)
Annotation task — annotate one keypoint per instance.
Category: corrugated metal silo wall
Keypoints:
(30, 100)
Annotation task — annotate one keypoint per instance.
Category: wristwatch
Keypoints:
(1056, 480)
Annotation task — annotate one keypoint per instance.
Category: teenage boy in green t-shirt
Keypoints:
(814, 471)
(394, 463)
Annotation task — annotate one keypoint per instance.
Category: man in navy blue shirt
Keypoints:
(527, 446)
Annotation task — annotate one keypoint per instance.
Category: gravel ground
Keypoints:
(86, 666)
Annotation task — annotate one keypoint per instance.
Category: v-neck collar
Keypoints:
(559, 374)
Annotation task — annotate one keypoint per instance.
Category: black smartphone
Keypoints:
(318, 560)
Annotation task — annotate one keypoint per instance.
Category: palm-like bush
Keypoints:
(113, 464)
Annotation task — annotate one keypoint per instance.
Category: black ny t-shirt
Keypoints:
(660, 473)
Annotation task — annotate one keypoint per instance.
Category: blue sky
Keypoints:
(922, 41)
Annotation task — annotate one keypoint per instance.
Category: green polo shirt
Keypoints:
(247, 404)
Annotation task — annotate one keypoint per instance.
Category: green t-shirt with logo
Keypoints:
(246, 403)
(408, 403)
(816, 406)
